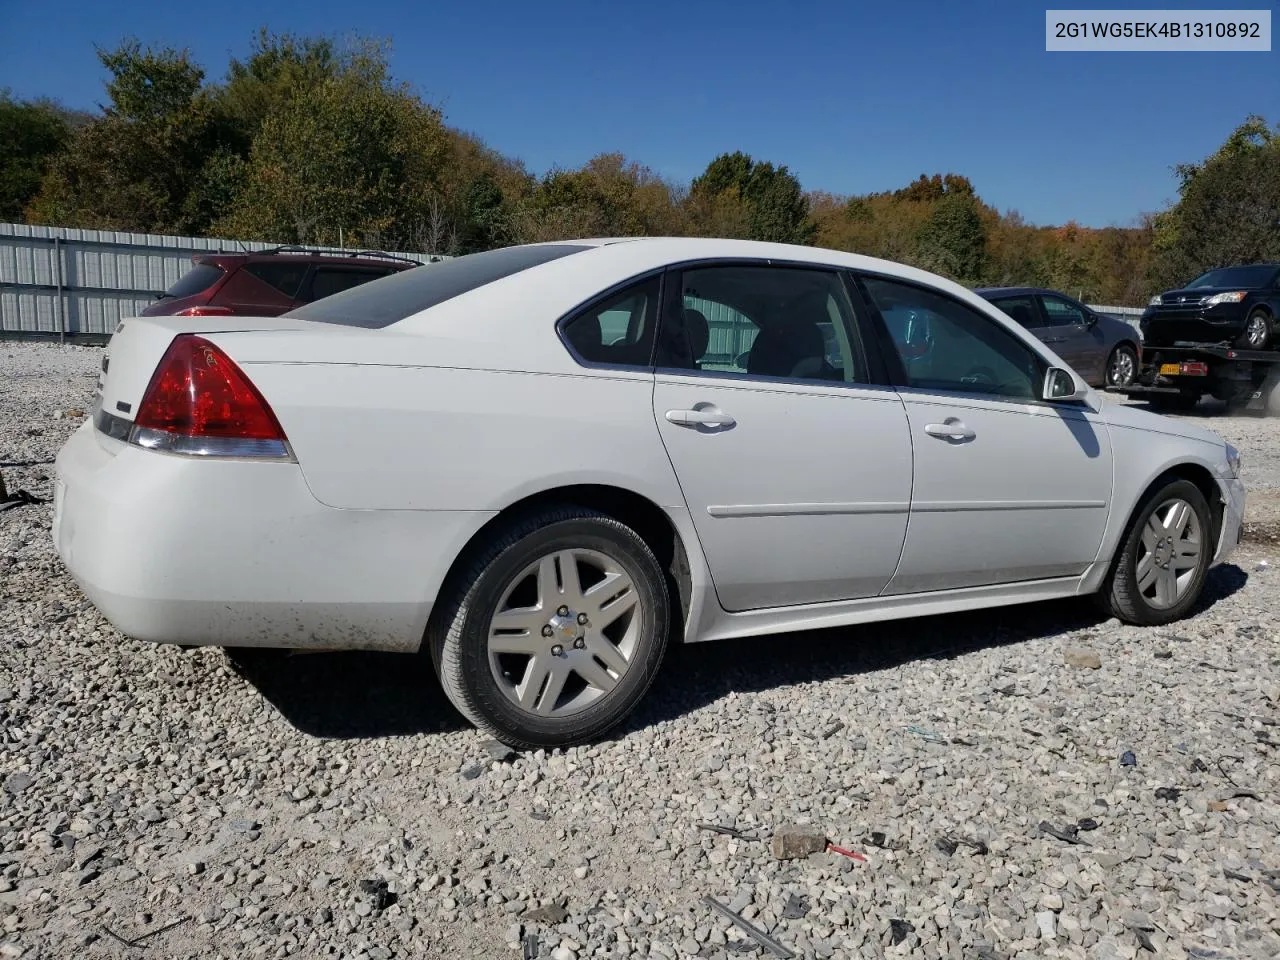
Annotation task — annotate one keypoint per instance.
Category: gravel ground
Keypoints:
(334, 805)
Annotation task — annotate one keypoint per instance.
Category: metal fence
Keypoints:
(59, 280)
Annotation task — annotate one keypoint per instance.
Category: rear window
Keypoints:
(333, 280)
(196, 280)
(1245, 277)
(285, 276)
(391, 299)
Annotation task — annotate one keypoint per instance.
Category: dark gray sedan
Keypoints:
(1103, 350)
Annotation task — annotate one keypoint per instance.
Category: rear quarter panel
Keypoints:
(382, 437)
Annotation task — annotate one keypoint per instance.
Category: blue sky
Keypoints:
(853, 97)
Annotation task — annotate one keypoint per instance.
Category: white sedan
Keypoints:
(539, 465)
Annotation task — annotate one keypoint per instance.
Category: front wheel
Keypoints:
(555, 632)
(1164, 558)
(1122, 366)
(1257, 332)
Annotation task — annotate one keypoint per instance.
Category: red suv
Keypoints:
(267, 283)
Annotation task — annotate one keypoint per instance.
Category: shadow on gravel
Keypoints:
(701, 673)
(346, 695)
(349, 695)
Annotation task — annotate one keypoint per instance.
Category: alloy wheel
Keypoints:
(1255, 332)
(1120, 372)
(564, 632)
(1171, 553)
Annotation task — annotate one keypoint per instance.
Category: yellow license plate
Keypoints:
(1169, 369)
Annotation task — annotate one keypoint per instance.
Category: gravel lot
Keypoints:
(334, 805)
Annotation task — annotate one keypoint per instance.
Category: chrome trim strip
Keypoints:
(960, 506)
(804, 509)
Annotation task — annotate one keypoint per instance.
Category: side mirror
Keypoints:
(1059, 384)
(1090, 320)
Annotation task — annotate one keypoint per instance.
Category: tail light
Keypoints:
(200, 403)
(1195, 368)
(204, 311)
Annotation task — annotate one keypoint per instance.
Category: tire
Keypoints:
(1173, 402)
(1258, 330)
(485, 685)
(1125, 594)
(1122, 366)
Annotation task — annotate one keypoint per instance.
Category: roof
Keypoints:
(308, 254)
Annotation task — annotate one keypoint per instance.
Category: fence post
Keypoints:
(57, 273)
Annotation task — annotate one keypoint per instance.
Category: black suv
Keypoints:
(1234, 305)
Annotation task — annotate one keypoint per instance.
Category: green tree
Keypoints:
(355, 157)
(31, 135)
(279, 68)
(1228, 209)
(774, 205)
(134, 167)
(953, 241)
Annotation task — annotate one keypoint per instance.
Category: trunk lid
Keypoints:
(136, 346)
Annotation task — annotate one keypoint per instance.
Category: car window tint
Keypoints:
(1060, 313)
(284, 277)
(198, 279)
(330, 280)
(763, 321)
(945, 345)
(411, 291)
(1021, 309)
(619, 330)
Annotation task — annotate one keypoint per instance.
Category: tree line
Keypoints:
(310, 140)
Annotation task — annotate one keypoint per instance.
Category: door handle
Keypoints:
(952, 428)
(706, 417)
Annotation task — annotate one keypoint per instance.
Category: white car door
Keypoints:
(1006, 487)
(796, 469)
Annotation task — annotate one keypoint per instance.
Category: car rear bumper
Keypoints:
(1233, 499)
(239, 553)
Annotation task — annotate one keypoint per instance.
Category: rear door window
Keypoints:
(617, 331)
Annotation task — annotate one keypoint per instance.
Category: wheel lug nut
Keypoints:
(563, 611)
(547, 631)
(579, 644)
(582, 618)
(557, 650)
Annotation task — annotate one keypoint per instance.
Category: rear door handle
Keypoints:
(705, 417)
(952, 428)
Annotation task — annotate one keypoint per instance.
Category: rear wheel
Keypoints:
(1257, 332)
(1164, 557)
(1122, 366)
(556, 630)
